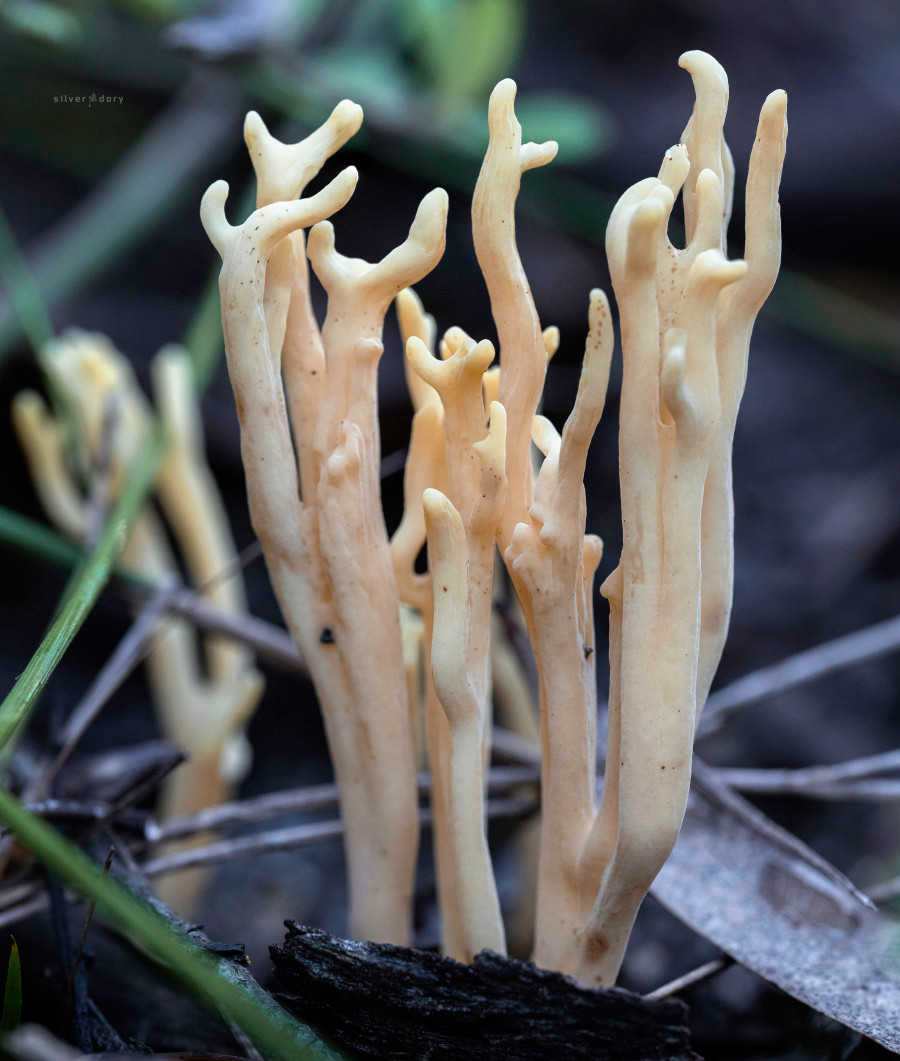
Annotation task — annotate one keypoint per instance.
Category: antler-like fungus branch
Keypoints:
(686, 317)
(204, 714)
(523, 353)
(541, 532)
(553, 563)
(460, 556)
(686, 320)
(328, 555)
(461, 529)
(282, 174)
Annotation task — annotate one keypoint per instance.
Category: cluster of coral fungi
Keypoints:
(353, 599)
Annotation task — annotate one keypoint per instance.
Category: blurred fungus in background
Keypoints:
(116, 117)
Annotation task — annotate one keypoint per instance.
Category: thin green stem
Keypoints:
(32, 537)
(90, 577)
(24, 294)
(203, 338)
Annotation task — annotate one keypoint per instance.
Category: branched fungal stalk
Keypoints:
(204, 713)
(686, 316)
(316, 509)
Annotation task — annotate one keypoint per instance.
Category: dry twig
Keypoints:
(695, 976)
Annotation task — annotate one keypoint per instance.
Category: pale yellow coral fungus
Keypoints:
(307, 406)
(203, 701)
(316, 508)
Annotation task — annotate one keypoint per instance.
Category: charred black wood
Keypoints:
(377, 1000)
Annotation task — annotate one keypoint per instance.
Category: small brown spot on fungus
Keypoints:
(595, 946)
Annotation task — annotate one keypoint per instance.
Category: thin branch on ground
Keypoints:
(695, 976)
(39, 904)
(234, 567)
(814, 776)
(884, 892)
(303, 800)
(14, 894)
(862, 646)
(130, 651)
(98, 812)
(392, 463)
(268, 641)
(850, 780)
(82, 942)
(295, 836)
(273, 840)
(754, 782)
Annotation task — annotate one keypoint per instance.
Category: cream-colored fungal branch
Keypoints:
(703, 148)
(204, 713)
(454, 488)
(461, 527)
(426, 468)
(523, 351)
(736, 316)
(686, 318)
(421, 472)
(316, 508)
(307, 406)
(194, 510)
(551, 562)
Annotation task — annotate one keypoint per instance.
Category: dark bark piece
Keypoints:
(377, 1000)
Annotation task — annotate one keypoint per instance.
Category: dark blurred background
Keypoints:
(102, 197)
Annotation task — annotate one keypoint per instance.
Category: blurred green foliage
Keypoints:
(11, 1017)
(463, 47)
(41, 22)
(422, 70)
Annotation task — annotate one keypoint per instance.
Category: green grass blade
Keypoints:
(825, 312)
(23, 293)
(29, 536)
(90, 577)
(217, 981)
(32, 537)
(203, 338)
(12, 995)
